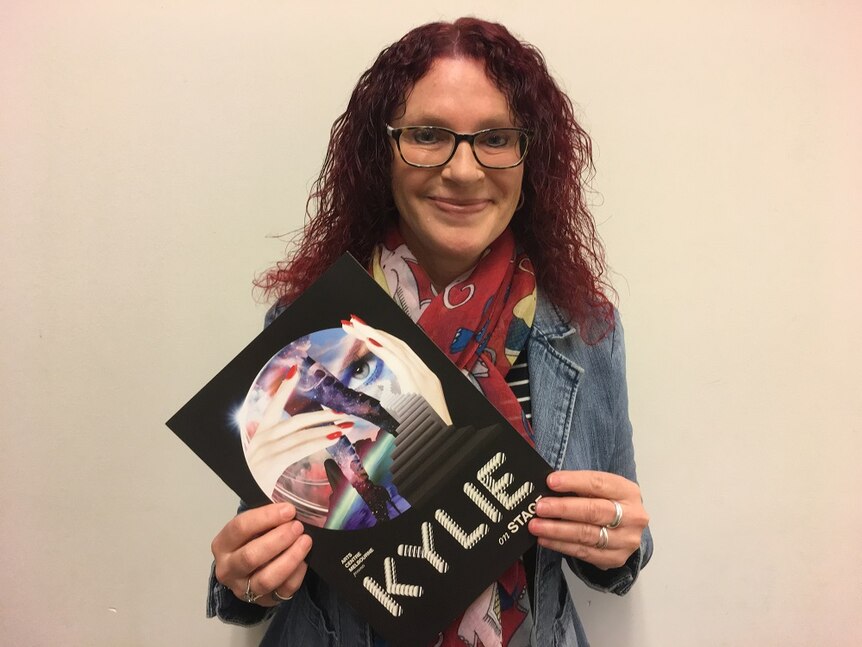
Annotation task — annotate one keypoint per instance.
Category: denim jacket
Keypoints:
(580, 420)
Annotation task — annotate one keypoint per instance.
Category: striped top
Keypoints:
(519, 381)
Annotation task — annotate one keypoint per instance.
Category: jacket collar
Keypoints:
(550, 322)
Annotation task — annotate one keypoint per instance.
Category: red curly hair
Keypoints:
(351, 204)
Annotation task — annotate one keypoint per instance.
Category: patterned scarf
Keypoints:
(481, 321)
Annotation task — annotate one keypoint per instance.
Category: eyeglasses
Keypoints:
(433, 146)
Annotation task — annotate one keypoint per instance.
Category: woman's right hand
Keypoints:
(262, 551)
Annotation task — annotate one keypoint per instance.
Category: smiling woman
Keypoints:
(455, 175)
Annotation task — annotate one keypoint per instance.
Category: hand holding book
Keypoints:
(261, 551)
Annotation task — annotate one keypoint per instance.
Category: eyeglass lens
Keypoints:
(495, 148)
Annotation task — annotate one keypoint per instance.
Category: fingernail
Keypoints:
(334, 435)
(553, 480)
(344, 322)
(374, 342)
(290, 372)
(345, 425)
(542, 507)
(296, 527)
(352, 316)
(287, 511)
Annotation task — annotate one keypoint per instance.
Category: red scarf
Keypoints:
(481, 322)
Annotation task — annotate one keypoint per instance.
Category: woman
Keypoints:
(458, 162)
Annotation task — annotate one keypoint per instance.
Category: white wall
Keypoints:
(148, 152)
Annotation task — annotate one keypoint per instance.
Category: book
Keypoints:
(415, 490)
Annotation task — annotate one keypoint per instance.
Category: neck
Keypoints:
(441, 268)
(443, 271)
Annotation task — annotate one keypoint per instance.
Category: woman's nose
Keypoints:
(463, 167)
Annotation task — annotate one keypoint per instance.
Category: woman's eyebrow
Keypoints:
(427, 119)
(354, 353)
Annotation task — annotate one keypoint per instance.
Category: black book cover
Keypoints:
(413, 487)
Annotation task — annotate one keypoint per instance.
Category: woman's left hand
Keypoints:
(575, 523)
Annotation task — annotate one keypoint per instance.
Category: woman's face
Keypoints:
(450, 214)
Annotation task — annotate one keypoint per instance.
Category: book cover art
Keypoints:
(414, 488)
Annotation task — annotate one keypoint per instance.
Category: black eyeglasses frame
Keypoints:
(395, 133)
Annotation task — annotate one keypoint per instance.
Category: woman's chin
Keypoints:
(455, 257)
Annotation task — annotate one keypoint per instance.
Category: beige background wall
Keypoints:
(149, 151)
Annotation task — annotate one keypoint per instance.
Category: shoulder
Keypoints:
(596, 371)
(575, 386)
(553, 327)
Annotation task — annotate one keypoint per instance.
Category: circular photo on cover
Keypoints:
(314, 431)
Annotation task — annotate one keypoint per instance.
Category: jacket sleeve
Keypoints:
(622, 462)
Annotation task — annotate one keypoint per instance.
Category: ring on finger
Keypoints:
(248, 596)
(618, 515)
(603, 538)
(277, 598)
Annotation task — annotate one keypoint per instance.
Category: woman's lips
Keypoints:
(454, 205)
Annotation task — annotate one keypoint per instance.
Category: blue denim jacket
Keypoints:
(580, 419)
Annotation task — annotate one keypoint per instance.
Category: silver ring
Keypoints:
(248, 596)
(618, 515)
(603, 538)
(278, 598)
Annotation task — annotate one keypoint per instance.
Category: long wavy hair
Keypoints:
(351, 203)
